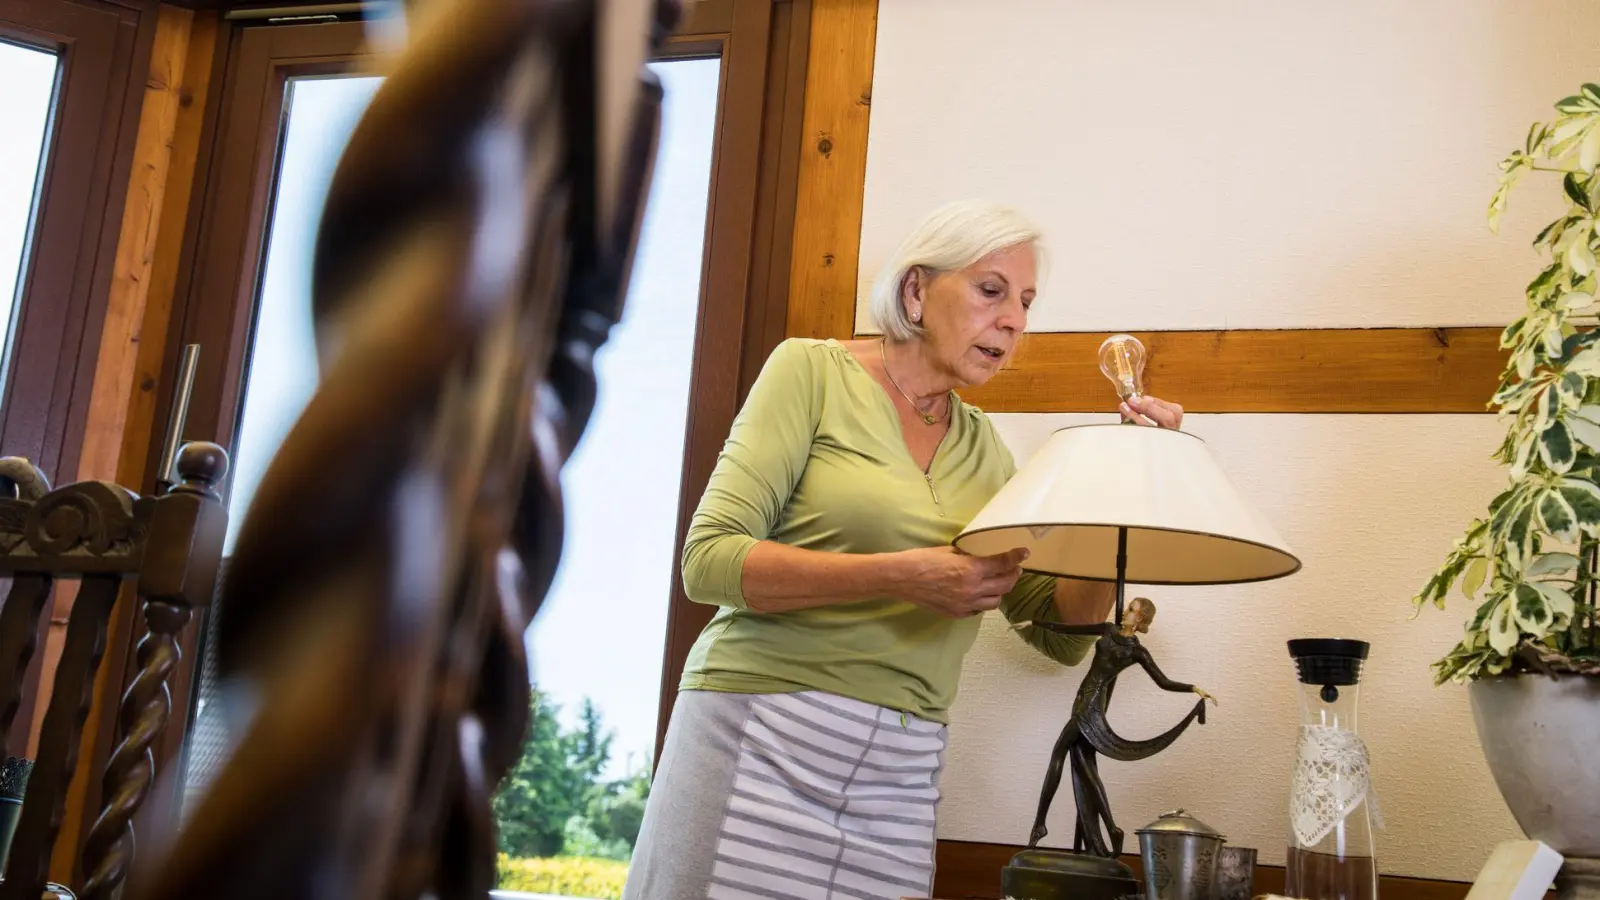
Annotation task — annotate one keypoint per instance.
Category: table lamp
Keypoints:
(1121, 503)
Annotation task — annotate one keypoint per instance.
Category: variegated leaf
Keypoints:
(1572, 183)
(1568, 131)
(1587, 432)
(1519, 466)
(1552, 232)
(1571, 386)
(1519, 537)
(1549, 277)
(1481, 616)
(1557, 517)
(1577, 300)
(1586, 363)
(1509, 334)
(1584, 498)
(1580, 258)
(1589, 150)
(1502, 628)
(1557, 599)
(1556, 447)
(1549, 407)
(1472, 579)
(1553, 338)
(1525, 363)
(1553, 563)
(1530, 612)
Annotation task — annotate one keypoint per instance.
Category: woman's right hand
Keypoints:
(951, 583)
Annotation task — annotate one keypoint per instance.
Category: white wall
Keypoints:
(1262, 164)
(1368, 506)
(1247, 165)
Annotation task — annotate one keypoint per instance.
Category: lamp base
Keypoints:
(1041, 874)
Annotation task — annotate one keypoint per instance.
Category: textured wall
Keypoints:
(1231, 164)
(1370, 507)
(1247, 165)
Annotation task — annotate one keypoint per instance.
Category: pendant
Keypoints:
(928, 419)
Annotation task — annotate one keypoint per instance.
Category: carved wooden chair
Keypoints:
(102, 535)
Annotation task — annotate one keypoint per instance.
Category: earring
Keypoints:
(916, 317)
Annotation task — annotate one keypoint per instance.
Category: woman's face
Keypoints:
(973, 317)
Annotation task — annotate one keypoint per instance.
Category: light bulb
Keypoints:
(1122, 361)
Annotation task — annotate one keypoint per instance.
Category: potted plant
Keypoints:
(1531, 655)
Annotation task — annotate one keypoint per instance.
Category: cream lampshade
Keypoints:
(1156, 494)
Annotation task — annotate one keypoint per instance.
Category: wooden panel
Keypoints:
(1385, 370)
(750, 177)
(970, 870)
(132, 342)
(707, 17)
(136, 245)
(67, 272)
(833, 165)
(183, 166)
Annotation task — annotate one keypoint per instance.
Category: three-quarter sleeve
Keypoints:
(758, 468)
(1033, 598)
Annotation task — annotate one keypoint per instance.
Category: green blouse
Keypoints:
(816, 459)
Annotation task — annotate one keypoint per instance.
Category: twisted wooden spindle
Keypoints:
(132, 769)
(147, 705)
(472, 255)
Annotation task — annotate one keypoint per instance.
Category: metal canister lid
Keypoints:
(1179, 822)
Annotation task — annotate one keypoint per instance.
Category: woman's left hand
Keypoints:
(1152, 411)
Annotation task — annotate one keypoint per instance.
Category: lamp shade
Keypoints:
(1186, 522)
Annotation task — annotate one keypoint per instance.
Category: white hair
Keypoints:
(952, 237)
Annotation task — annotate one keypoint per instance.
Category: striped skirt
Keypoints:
(806, 796)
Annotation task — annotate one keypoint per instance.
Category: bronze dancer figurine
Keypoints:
(1088, 732)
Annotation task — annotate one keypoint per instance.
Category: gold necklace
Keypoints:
(883, 355)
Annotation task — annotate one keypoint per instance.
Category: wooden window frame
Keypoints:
(103, 47)
(104, 50)
(744, 285)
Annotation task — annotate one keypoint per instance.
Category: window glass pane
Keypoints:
(597, 646)
(29, 79)
(321, 114)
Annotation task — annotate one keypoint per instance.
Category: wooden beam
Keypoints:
(1378, 370)
(970, 870)
(136, 248)
(833, 167)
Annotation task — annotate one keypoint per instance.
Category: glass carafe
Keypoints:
(1332, 807)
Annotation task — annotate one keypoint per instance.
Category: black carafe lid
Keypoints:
(1328, 661)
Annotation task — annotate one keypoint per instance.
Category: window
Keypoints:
(73, 73)
(600, 708)
(707, 304)
(25, 106)
(621, 497)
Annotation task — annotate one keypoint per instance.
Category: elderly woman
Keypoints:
(804, 752)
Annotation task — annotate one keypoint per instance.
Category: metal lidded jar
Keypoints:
(1179, 853)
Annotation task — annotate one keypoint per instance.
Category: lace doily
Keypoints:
(1332, 777)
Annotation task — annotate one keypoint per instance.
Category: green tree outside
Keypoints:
(554, 802)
